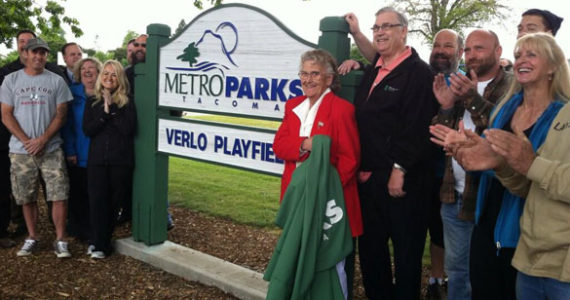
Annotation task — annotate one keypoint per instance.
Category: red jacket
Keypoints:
(334, 118)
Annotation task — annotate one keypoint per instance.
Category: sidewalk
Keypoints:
(197, 266)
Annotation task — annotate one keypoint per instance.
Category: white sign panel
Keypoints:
(230, 146)
(234, 60)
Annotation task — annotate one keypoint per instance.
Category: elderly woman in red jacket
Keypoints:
(320, 111)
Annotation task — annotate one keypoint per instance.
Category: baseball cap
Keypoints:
(36, 43)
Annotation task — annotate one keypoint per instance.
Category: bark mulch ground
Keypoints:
(43, 276)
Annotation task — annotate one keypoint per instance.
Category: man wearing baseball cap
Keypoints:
(9, 211)
(34, 107)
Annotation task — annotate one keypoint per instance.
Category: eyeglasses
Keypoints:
(304, 75)
(139, 44)
(384, 26)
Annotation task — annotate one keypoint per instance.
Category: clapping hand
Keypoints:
(107, 100)
(515, 148)
(442, 92)
(448, 138)
(461, 85)
(476, 154)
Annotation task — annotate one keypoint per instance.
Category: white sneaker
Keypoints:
(60, 249)
(90, 249)
(97, 254)
(29, 246)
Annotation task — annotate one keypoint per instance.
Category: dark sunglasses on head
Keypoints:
(139, 44)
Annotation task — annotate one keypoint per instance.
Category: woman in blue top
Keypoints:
(76, 147)
(529, 108)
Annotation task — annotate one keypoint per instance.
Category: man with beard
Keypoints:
(446, 52)
(130, 50)
(485, 82)
(445, 55)
(138, 56)
(469, 98)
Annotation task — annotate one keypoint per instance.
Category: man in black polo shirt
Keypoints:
(394, 107)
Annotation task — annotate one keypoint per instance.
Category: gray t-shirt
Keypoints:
(35, 100)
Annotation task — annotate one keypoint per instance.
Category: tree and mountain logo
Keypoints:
(224, 34)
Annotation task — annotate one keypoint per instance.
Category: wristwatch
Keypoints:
(398, 167)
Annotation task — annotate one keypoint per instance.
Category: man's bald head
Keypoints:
(482, 53)
(446, 51)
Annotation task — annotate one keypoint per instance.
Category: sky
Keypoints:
(106, 23)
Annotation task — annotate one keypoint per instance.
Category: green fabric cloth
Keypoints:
(316, 234)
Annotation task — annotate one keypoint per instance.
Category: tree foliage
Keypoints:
(104, 56)
(356, 55)
(10, 57)
(200, 4)
(180, 27)
(129, 36)
(55, 40)
(427, 17)
(89, 52)
(47, 20)
(120, 54)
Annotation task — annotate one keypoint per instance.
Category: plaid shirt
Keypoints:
(480, 108)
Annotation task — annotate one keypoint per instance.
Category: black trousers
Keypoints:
(349, 269)
(9, 210)
(78, 224)
(490, 271)
(108, 186)
(404, 221)
(4, 214)
(435, 224)
(5, 190)
(126, 205)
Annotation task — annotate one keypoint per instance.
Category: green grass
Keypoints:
(426, 259)
(243, 196)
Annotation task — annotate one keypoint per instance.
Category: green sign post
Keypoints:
(150, 182)
(150, 188)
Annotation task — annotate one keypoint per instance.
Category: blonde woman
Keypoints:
(110, 121)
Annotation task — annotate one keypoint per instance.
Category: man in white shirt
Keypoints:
(469, 98)
(71, 55)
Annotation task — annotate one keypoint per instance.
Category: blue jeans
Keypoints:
(457, 240)
(538, 288)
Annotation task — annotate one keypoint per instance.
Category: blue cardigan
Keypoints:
(74, 140)
(507, 228)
